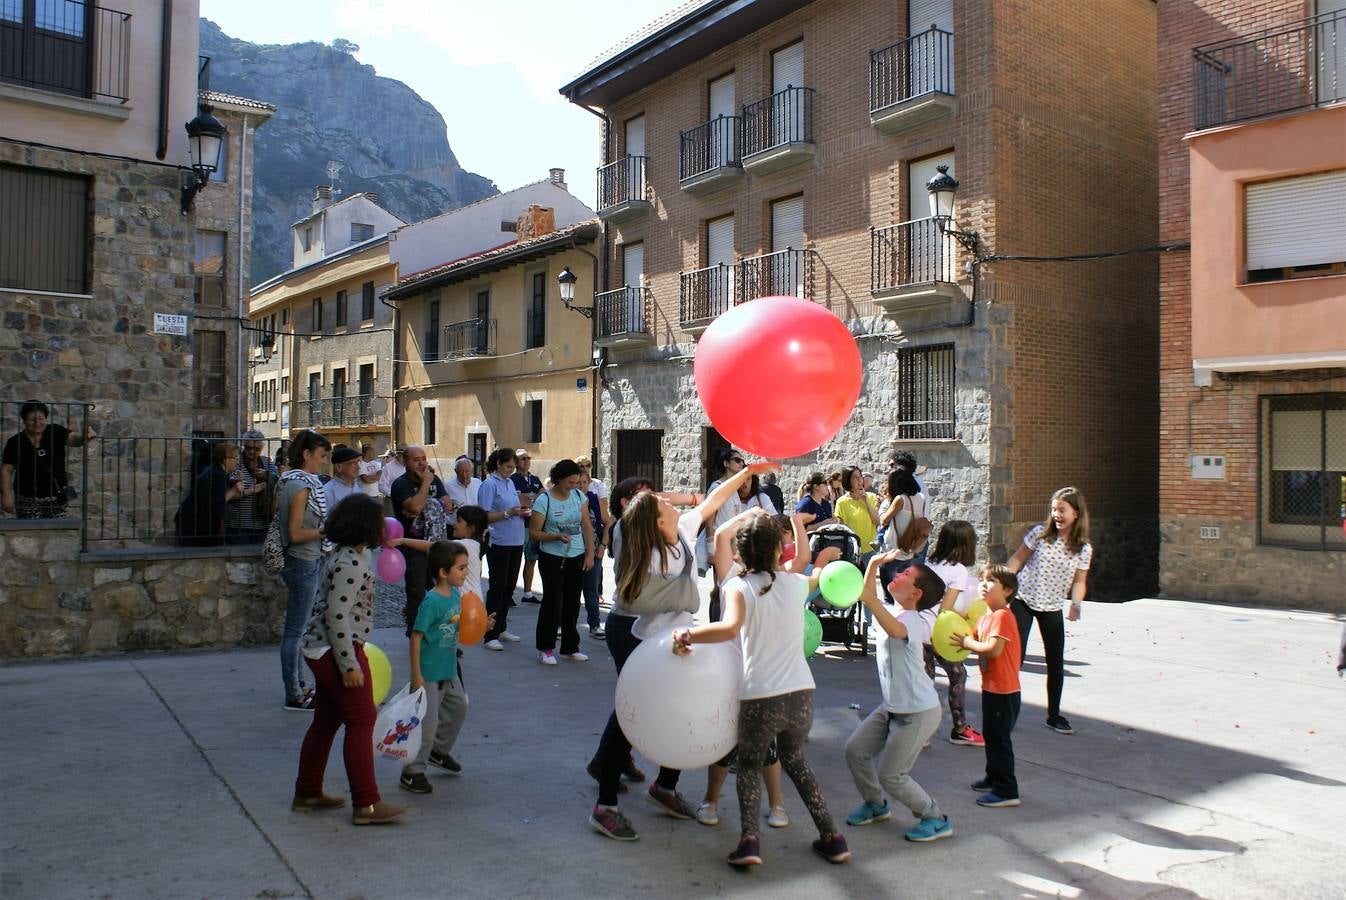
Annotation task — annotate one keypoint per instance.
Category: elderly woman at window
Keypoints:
(33, 480)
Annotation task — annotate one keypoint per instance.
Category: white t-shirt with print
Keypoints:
(773, 634)
(369, 467)
(1044, 583)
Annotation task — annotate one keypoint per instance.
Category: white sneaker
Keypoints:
(576, 656)
(510, 637)
(547, 658)
(708, 814)
(494, 645)
(778, 818)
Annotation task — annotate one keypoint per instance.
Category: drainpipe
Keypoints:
(243, 311)
(397, 365)
(165, 65)
(603, 227)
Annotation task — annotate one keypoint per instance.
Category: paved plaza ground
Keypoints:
(1209, 761)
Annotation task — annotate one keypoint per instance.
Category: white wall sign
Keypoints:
(166, 323)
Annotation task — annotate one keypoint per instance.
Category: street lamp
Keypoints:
(566, 280)
(943, 190)
(205, 140)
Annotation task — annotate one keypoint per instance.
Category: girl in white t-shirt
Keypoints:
(470, 530)
(1053, 567)
(765, 607)
(954, 553)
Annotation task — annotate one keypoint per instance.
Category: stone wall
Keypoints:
(56, 602)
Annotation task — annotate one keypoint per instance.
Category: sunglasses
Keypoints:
(737, 459)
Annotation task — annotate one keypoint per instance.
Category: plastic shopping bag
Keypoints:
(397, 731)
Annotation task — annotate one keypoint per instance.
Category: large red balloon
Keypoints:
(778, 377)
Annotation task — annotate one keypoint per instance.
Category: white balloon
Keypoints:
(680, 711)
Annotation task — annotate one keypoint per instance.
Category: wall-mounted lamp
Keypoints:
(943, 190)
(205, 140)
(567, 280)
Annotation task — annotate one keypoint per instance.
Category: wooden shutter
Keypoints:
(720, 241)
(49, 252)
(1296, 221)
(787, 224)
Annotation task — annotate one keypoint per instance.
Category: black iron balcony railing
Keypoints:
(787, 273)
(916, 252)
(468, 339)
(705, 293)
(621, 182)
(623, 311)
(69, 47)
(785, 117)
(922, 64)
(335, 412)
(1297, 66)
(707, 147)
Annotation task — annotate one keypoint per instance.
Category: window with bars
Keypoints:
(925, 393)
(50, 251)
(1303, 471)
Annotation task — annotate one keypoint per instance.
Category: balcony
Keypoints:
(1294, 67)
(468, 340)
(82, 51)
(708, 158)
(335, 412)
(911, 82)
(785, 273)
(623, 318)
(705, 293)
(622, 191)
(778, 131)
(913, 266)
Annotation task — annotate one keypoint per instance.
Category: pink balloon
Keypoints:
(778, 376)
(787, 551)
(391, 566)
(392, 529)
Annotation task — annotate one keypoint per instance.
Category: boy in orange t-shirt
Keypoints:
(997, 646)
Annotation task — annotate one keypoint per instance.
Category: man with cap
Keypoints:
(246, 518)
(345, 472)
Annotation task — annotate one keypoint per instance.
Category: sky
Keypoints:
(487, 66)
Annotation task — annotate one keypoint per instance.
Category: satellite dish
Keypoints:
(378, 406)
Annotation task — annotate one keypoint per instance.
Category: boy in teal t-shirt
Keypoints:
(434, 666)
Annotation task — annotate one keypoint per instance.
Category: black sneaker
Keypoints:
(529, 598)
(594, 773)
(446, 762)
(747, 853)
(982, 786)
(416, 784)
(1060, 724)
(304, 705)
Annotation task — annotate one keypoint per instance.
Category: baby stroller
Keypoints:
(840, 626)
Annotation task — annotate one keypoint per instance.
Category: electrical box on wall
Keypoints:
(1207, 466)
(1210, 532)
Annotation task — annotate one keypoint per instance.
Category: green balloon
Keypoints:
(841, 583)
(813, 632)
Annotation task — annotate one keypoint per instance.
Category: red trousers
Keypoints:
(335, 705)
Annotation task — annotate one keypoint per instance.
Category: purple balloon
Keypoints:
(392, 529)
(391, 566)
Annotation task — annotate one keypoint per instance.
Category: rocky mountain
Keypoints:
(332, 108)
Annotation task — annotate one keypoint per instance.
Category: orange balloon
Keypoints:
(472, 619)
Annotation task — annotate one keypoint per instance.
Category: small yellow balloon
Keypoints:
(975, 613)
(380, 672)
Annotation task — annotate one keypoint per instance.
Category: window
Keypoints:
(221, 172)
(535, 328)
(360, 232)
(1303, 471)
(256, 397)
(46, 45)
(367, 302)
(341, 309)
(314, 386)
(925, 393)
(306, 238)
(428, 425)
(317, 315)
(482, 313)
(285, 384)
(639, 453)
(50, 251)
(208, 367)
(532, 421)
(432, 331)
(285, 317)
(1296, 227)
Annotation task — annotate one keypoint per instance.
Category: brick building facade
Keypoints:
(1252, 126)
(1037, 376)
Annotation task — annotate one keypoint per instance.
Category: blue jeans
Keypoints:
(593, 590)
(301, 581)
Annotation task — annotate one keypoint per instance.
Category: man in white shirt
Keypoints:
(462, 487)
(370, 471)
(392, 470)
(345, 469)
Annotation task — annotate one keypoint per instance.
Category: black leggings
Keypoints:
(504, 567)
(1053, 628)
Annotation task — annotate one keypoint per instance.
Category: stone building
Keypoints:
(96, 287)
(784, 148)
(1252, 162)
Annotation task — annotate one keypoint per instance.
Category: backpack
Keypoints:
(916, 534)
(273, 547)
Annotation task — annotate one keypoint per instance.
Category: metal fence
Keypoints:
(468, 338)
(708, 147)
(621, 182)
(335, 412)
(921, 64)
(786, 117)
(623, 311)
(705, 293)
(915, 252)
(67, 46)
(787, 272)
(1283, 69)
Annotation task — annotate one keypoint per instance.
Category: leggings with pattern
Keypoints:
(957, 673)
(787, 718)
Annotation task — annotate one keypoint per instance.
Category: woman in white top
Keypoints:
(902, 501)
(725, 464)
(1053, 566)
(766, 606)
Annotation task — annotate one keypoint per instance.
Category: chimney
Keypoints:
(557, 177)
(322, 197)
(535, 222)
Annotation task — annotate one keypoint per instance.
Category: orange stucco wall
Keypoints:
(1229, 317)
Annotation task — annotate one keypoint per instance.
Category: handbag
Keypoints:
(273, 547)
(916, 534)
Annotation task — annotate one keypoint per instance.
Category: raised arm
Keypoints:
(869, 597)
(724, 630)
(729, 487)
